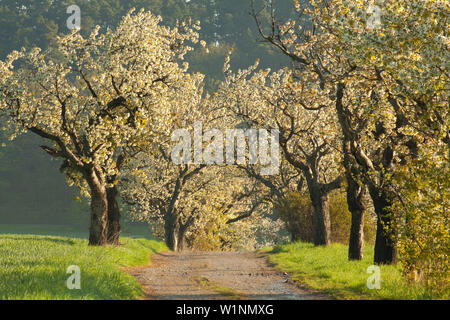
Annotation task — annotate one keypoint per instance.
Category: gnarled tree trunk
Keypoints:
(355, 198)
(114, 229)
(171, 232)
(321, 218)
(356, 206)
(385, 248)
(175, 231)
(322, 225)
(99, 211)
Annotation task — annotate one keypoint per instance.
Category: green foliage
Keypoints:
(327, 269)
(215, 234)
(341, 218)
(422, 212)
(34, 267)
(208, 236)
(297, 212)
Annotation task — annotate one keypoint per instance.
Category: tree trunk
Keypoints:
(385, 248)
(181, 235)
(175, 232)
(321, 219)
(99, 212)
(355, 199)
(171, 232)
(356, 206)
(113, 217)
(182, 232)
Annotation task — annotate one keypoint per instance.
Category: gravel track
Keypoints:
(174, 276)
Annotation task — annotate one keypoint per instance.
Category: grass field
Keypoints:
(34, 262)
(328, 270)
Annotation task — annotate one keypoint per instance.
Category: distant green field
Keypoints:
(328, 270)
(35, 266)
(132, 231)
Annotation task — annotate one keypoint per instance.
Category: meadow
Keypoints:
(328, 270)
(34, 266)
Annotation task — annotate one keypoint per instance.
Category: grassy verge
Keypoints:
(35, 266)
(327, 269)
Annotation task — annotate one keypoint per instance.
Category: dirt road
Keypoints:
(216, 275)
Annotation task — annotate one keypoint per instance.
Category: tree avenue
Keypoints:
(360, 109)
(388, 89)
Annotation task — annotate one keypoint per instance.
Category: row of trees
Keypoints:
(96, 99)
(365, 104)
(38, 23)
(107, 105)
(360, 106)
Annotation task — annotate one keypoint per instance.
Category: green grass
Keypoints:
(327, 269)
(34, 266)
